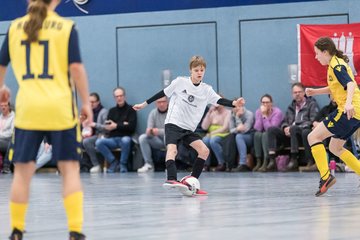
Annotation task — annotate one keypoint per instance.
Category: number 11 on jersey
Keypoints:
(45, 74)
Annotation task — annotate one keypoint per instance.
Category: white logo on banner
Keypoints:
(345, 44)
(79, 2)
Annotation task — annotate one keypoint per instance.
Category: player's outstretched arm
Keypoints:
(349, 107)
(228, 103)
(140, 106)
(317, 91)
(239, 102)
(78, 74)
(158, 95)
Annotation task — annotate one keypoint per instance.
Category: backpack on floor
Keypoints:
(281, 162)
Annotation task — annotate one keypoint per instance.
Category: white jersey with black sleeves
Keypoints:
(188, 102)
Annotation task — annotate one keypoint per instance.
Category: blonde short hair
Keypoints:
(196, 61)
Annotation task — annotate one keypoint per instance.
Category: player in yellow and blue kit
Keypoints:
(44, 52)
(341, 123)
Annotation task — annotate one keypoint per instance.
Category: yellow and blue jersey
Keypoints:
(45, 100)
(339, 75)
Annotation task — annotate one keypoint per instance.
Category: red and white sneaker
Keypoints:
(187, 192)
(173, 184)
(200, 192)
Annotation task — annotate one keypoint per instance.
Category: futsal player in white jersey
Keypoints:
(189, 97)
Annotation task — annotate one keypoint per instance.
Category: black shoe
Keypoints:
(220, 168)
(340, 167)
(206, 168)
(84, 170)
(16, 234)
(325, 185)
(6, 171)
(242, 168)
(76, 236)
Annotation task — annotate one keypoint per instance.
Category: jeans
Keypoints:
(105, 145)
(243, 141)
(4, 144)
(89, 146)
(214, 143)
(6, 161)
(146, 143)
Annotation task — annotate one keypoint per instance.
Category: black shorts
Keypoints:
(338, 124)
(175, 134)
(25, 144)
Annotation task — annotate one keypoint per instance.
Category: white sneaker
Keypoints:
(347, 169)
(146, 168)
(95, 169)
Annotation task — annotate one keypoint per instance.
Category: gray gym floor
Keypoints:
(239, 206)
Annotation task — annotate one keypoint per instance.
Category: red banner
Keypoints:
(346, 38)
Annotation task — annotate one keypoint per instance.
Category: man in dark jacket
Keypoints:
(296, 126)
(121, 124)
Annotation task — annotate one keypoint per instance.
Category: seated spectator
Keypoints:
(97, 130)
(121, 125)
(265, 117)
(241, 124)
(6, 130)
(153, 138)
(6, 126)
(216, 122)
(294, 130)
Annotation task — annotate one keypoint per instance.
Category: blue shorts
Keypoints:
(65, 144)
(338, 124)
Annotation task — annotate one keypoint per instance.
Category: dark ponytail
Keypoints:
(340, 54)
(327, 44)
(37, 11)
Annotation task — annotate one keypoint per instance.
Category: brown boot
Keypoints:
(263, 166)
(310, 163)
(310, 167)
(292, 165)
(258, 164)
(271, 167)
